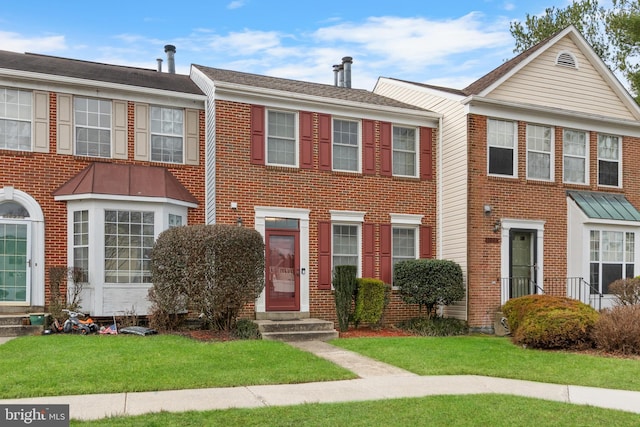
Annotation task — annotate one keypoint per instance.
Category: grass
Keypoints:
(497, 357)
(73, 364)
(460, 411)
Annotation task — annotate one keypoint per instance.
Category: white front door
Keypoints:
(15, 262)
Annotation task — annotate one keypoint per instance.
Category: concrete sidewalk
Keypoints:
(377, 381)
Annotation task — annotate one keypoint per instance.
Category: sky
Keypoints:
(446, 43)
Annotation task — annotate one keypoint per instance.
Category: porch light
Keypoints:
(497, 226)
(239, 222)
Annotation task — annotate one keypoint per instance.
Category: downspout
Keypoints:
(440, 176)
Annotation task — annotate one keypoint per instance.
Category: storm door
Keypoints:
(523, 263)
(282, 262)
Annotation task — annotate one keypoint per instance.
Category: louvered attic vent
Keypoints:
(566, 59)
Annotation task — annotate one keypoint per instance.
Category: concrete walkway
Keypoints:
(377, 381)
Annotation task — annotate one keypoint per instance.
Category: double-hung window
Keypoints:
(609, 155)
(281, 138)
(167, 130)
(612, 257)
(346, 145)
(540, 152)
(15, 119)
(575, 148)
(502, 147)
(404, 238)
(81, 242)
(345, 245)
(405, 151)
(92, 127)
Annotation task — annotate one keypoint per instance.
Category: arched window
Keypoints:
(10, 209)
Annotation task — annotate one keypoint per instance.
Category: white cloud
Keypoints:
(20, 43)
(236, 4)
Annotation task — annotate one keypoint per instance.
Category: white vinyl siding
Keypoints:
(531, 85)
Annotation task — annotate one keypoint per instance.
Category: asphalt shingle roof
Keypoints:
(301, 87)
(107, 73)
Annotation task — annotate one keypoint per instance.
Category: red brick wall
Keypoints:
(39, 174)
(237, 180)
(520, 198)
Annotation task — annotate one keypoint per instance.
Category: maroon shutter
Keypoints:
(426, 154)
(306, 140)
(324, 255)
(324, 142)
(385, 149)
(257, 135)
(385, 253)
(369, 147)
(368, 269)
(426, 241)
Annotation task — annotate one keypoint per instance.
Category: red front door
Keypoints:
(282, 270)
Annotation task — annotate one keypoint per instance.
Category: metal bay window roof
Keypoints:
(605, 205)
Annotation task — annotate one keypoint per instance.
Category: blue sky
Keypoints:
(449, 43)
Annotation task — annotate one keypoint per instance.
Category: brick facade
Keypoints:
(522, 198)
(249, 185)
(40, 174)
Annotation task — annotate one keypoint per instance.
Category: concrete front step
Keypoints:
(13, 325)
(301, 336)
(297, 330)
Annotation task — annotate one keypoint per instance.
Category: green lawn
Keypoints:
(497, 357)
(459, 411)
(73, 364)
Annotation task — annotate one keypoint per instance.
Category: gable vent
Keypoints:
(566, 59)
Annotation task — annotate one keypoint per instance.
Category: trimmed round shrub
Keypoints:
(429, 282)
(618, 330)
(550, 322)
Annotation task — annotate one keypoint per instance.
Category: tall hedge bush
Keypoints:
(429, 282)
(215, 269)
(344, 285)
(371, 299)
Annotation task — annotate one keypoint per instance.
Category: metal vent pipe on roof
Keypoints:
(346, 66)
(336, 68)
(170, 50)
(159, 64)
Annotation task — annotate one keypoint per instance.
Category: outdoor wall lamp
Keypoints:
(497, 226)
(487, 210)
(239, 222)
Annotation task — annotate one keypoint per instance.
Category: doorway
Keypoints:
(282, 264)
(522, 263)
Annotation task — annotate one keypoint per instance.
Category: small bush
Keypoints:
(435, 326)
(246, 329)
(545, 321)
(429, 282)
(626, 291)
(371, 296)
(344, 284)
(618, 330)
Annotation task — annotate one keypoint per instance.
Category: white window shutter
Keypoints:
(120, 130)
(192, 146)
(41, 122)
(65, 124)
(142, 148)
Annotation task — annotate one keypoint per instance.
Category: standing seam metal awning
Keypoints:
(605, 205)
